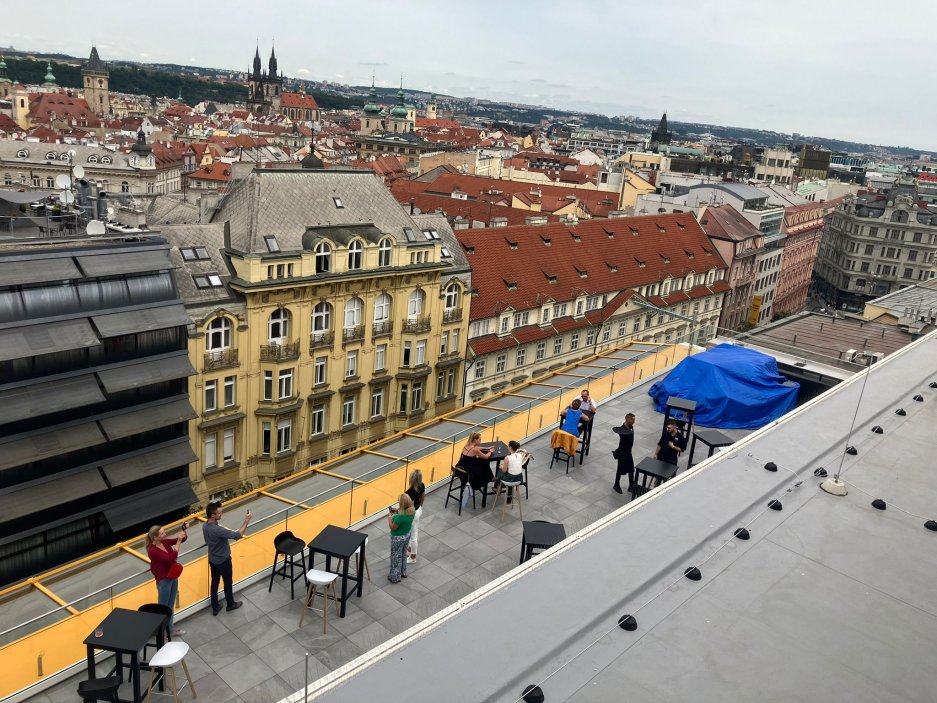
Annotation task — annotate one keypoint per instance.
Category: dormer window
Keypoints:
(384, 253)
(52, 156)
(105, 159)
(323, 257)
(639, 263)
(338, 202)
(612, 267)
(22, 154)
(63, 156)
(273, 246)
(355, 250)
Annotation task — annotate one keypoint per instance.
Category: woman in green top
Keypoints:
(399, 522)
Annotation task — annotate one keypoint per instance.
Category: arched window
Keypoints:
(105, 159)
(383, 253)
(92, 159)
(382, 308)
(22, 154)
(323, 258)
(322, 317)
(352, 313)
(415, 304)
(278, 326)
(452, 296)
(899, 216)
(52, 156)
(124, 187)
(218, 336)
(63, 156)
(355, 250)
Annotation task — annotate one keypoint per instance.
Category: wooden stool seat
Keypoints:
(516, 485)
(326, 580)
(167, 657)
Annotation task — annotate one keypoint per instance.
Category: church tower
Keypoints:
(273, 87)
(661, 135)
(431, 108)
(264, 89)
(94, 78)
(6, 85)
(399, 121)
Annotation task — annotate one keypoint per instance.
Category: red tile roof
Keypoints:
(725, 222)
(559, 261)
(43, 105)
(218, 171)
(466, 209)
(298, 100)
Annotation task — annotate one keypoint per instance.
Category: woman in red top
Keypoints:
(163, 552)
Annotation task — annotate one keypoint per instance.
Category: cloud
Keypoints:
(371, 63)
(303, 71)
(537, 80)
(339, 76)
(518, 63)
(144, 55)
(449, 73)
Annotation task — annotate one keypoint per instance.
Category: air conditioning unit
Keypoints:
(851, 354)
(876, 357)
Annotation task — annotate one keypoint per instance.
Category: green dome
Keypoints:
(50, 78)
(398, 111)
(372, 109)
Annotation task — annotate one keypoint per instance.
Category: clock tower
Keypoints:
(94, 79)
(141, 154)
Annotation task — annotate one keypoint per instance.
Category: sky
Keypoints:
(859, 70)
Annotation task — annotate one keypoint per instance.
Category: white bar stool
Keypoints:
(167, 657)
(516, 485)
(366, 569)
(325, 579)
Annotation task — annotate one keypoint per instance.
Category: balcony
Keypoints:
(279, 352)
(353, 334)
(452, 315)
(321, 340)
(383, 328)
(221, 359)
(417, 324)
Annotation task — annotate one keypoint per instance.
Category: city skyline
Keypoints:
(792, 60)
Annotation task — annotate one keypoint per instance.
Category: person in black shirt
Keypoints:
(417, 492)
(623, 453)
(671, 444)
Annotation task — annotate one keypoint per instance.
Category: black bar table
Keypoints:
(712, 439)
(125, 632)
(341, 544)
(651, 468)
(501, 451)
(539, 534)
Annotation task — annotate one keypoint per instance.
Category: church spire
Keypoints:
(49, 81)
(257, 61)
(273, 62)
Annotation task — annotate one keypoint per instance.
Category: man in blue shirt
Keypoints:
(219, 555)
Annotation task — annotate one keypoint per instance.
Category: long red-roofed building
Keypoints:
(546, 295)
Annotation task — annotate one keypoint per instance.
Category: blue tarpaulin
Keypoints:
(734, 388)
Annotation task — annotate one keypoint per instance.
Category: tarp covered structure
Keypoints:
(734, 388)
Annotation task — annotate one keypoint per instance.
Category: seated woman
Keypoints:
(573, 420)
(512, 466)
(475, 460)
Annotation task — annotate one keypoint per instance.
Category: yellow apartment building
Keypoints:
(324, 317)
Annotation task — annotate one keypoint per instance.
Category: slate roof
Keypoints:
(515, 266)
(286, 202)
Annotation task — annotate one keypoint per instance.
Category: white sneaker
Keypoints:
(411, 559)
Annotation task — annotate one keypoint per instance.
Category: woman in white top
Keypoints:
(512, 466)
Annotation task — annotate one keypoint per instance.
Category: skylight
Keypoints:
(338, 202)
(272, 244)
(194, 253)
(408, 233)
(209, 280)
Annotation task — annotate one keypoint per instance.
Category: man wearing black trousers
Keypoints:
(623, 453)
(219, 555)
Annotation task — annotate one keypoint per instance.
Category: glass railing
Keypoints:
(50, 624)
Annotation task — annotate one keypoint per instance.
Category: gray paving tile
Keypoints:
(501, 541)
(456, 563)
(453, 590)
(259, 632)
(455, 537)
(268, 691)
(222, 651)
(197, 666)
(476, 527)
(430, 576)
(203, 628)
(295, 676)
(354, 620)
(431, 548)
(410, 589)
(314, 641)
(501, 564)
(339, 653)
(213, 688)
(428, 605)
(287, 617)
(477, 577)
(400, 620)
(282, 653)
(479, 551)
(246, 673)
(370, 636)
(379, 603)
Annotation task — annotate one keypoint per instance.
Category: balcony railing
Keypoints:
(417, 324)
(385, 327)
(452, 315)
(221, 359)
(320, 340)
(279, 352)
(352, 334)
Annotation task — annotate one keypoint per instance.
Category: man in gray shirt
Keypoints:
(219, 554)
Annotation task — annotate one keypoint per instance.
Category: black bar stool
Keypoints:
(99, 689)
(287, 544)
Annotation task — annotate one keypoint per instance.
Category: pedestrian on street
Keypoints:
(623, 454)
(219, 554)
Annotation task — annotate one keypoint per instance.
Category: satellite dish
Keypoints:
(63, 181)
(110, 212)
(67, 197)
(96, 227)
(79, 171)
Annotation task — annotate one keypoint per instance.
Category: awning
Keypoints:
(145, 320)
(144, 507)
(145, 373)
(31, 499)
(17, 272)
(115, 264)
(46, 338)
(153, 461)
(55, 441)
(147, 418)
(45, 398)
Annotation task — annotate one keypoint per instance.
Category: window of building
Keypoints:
(351, 364)
(323, 257)
(317, 420)
(520, 357)
(352, 313)
(266, 430)
(278, 326)
(219, 334)
(440, 384)
(404, 398)
(444, 344)
(908, 273)
(50, 182)
(377, 402)
(541, 351)
(407, 354)
(321, 318)
(349, 410)
(420, 352)
(590, 338)
(521, 318)
(319, 370)
(380, 357)
(505, 324)
(124, 187)
(500, 363)
(210, 451)
(574, 342)
(230, 391)
(285, 384)
(606, 333)
(479, 369)
(284, 435)
(417, 401)
(211, 395)
(450, 382)
(382, 308)
(228, 443)
(557, 345)
(273, 245)
(384, 252)
(452, 296)
(415, 304)
(637, 325)
(268, 386)
(355, 255)
(454, 336)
